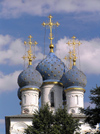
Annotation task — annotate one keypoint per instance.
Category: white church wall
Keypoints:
(46, 95)
(18, 123)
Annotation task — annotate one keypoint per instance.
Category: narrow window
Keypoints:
(76, 99)
(52, 99)
(24, 99)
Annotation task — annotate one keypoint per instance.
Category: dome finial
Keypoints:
(74, 49)
(30, 55)
(51, 24)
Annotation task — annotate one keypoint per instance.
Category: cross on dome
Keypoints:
(74, 43)
(30, 55)
(51, 24)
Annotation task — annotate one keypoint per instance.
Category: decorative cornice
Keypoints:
(74, 88)
(23, 89)
(55, 82)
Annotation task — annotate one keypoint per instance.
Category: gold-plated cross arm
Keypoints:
(74, 43)
(51, 24)
(30, 55)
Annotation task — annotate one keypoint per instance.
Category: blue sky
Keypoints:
(19, 19)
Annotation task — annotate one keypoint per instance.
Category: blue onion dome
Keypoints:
(74, 77)
(51, 68)
(30, 76)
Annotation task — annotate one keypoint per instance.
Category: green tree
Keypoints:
(93, 114)
(42, 122)
(45, 122)
(65, 122)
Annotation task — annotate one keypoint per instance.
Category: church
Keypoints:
(51, 81)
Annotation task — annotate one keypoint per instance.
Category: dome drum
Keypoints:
(27, 88)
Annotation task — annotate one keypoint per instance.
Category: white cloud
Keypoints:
(8, 82)
(15, 8)
(4, 40)
(11, 55)
(89, 54)
(12, 51)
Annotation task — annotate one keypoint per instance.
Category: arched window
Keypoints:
(76, 99)
(24, 99)
(52, 99)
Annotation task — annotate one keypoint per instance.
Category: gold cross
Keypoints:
(30, 55)
(51, 24)
(74, 48)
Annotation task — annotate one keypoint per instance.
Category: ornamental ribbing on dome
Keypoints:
(74, 77)
(30, 76)
(51, 68)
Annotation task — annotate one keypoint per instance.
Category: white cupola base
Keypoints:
(30, 102)
(75, 100)
(52, 94)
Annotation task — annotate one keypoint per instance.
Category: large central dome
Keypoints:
(51, 68)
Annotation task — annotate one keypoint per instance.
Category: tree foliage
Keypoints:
(45, 122)
(93, 114)
(65, 122)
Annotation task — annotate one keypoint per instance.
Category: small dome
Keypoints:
(74, 77)
(30, 76)
(51, 68)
